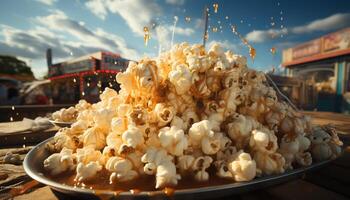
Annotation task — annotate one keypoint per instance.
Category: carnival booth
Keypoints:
(324, 63)
(85, 77)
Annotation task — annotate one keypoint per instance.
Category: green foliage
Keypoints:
(12, 65)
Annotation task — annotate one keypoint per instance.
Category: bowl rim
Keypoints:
(60, 123)
(62, 187)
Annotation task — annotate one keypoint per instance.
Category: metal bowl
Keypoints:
(33, 166)
(61, 124)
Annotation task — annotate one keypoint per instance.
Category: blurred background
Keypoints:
(55, 52)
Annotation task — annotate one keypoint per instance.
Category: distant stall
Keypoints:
(324, 63)
(85, 77)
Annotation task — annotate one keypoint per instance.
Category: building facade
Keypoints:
(323, 63)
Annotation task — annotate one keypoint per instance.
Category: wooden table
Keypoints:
(329, 182)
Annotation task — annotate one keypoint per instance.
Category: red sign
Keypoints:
(336, 41)
(331, 45)
(307, 49)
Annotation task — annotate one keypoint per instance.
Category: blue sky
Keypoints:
(76, 27)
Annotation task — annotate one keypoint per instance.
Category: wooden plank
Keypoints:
(330, 183)
(29, 111)
(340, 121)
(344, 159)
(10, 174)
(338, 173)
(43, 193)
(300, 189)
(26, 138)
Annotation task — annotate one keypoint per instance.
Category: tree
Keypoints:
(13, 66)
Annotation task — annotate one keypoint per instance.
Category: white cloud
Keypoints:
(164, 32)
(136, 13)
(98, 8)
(264, 35)
(60, 22)
(184, 31)
(225, 44)
(175, 2)
(330, 23)
(198, 23)
(47, 2)
(52, 31)
(284, 45)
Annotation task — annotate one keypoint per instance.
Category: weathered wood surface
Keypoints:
(25, 137)
(330, 182)
(18, 112)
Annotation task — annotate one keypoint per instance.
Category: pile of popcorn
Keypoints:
(185, 112)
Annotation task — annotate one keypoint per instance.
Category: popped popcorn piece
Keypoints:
(78, 127)
(182, 112)
(88, 154)
(63, 139)
(269, 163)
(121, 168)
(185, 162)
(201, 135)
(293, 149)
(243, 168)
(94, 137)
(159, 163)
(102, 119)
(200, 165)
(164, 114)
(82, 105)
(240, 129)
(263, 141)
(325, 144)
(108, 94)
(58, 163)
(65, 115)
(181, 78)
(166, 175)
(173, 140)
(132, 136)
(87, 171)
(200, 130)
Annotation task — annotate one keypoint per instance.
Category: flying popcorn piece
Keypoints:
(58, 163)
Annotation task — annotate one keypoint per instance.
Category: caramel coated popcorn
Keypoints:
(185, 112)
